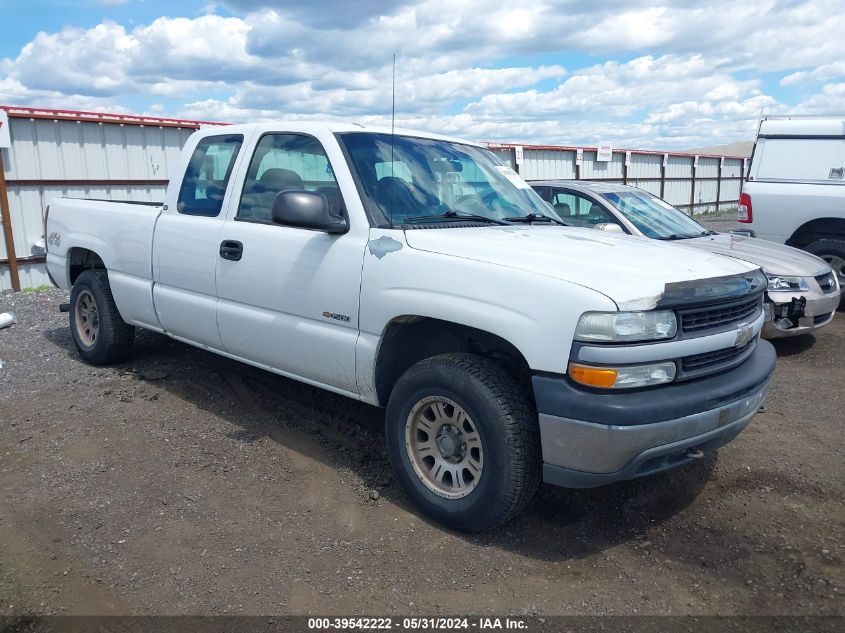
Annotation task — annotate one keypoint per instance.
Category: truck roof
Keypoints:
(333, 127)
(802, 126)
(583, 185)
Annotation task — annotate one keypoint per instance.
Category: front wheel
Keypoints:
(464, 441)
(101, 336)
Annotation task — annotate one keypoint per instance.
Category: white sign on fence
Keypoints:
(604, 152)
(5, 137)
(518, 154)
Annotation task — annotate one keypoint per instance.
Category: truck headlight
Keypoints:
(782, 283)
(622, 377)
(620, 327)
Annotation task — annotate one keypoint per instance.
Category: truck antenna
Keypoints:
(392, 133)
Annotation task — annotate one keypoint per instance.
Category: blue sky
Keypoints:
(637, 73)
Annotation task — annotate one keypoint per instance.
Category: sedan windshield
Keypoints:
(654, 217)
(412, 182)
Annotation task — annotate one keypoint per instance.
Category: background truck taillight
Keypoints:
(745, 214)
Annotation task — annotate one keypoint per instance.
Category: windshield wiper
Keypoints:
(678, 236)
(454, 215)
(535, 217)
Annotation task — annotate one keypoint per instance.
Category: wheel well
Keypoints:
(410, 339)
(818, 229)
(81, 259)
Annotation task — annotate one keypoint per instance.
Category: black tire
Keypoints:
(506, 423)
(114, 337)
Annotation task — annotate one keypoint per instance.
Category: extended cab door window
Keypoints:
(284, 162)
(207, 176)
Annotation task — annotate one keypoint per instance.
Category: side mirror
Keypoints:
(306, 210)
(610, 227)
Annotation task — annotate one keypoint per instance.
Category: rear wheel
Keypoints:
(101, 336)
(464, 441)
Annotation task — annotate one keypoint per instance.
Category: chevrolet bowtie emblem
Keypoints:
(744, 334)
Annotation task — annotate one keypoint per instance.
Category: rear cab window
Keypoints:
(207, 176)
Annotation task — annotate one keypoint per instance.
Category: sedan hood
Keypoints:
(632, 271)
(773, 258)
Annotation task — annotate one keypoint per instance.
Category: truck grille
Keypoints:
(827, 282)
(699, 362)
(708, 317)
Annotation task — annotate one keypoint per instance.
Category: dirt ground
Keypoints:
(183, 482)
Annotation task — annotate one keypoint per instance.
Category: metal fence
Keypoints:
(57, 153)
(693, 182)
(120, 157)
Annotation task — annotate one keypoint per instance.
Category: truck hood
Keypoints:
(632, 271)
(773, 258)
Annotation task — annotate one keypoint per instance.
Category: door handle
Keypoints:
(231, 250)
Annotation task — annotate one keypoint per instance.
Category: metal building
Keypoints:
(693, 182)
(78, 154)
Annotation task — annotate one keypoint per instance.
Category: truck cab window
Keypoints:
(208, 174)
(284, 162)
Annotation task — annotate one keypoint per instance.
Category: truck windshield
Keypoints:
(654, 217)
(411, 182)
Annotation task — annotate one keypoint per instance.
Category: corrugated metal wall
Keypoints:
(644, 170)
(51, 158)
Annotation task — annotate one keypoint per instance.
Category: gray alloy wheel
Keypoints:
(444, 447)
(87, 318)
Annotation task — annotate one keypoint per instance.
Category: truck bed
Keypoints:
(121, 233)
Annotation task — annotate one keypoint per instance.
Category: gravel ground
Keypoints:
(722, 222)
(183, 482)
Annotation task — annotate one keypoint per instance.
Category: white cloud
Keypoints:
(666, 73)
(824, 72)
(831, 100)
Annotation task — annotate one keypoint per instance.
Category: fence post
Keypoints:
(663, 164)
(692, 187)
(5, 214)
(625, 160)
(719, 183)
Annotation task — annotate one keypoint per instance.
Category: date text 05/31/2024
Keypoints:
(433, 623)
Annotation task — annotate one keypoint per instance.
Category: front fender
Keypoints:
(535, 313)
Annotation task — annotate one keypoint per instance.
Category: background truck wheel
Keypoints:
(831, 251)
(100, 334)
(464, 441)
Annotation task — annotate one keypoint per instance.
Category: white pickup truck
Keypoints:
(421, 274)
(795, 192)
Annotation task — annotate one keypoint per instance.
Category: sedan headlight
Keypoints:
(782, 283)
(621, 327)
(626, 377)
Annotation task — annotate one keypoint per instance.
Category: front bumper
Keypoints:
(818, 312)
(611, 440)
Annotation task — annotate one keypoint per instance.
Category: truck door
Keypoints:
(186, 243)
(288, 299)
